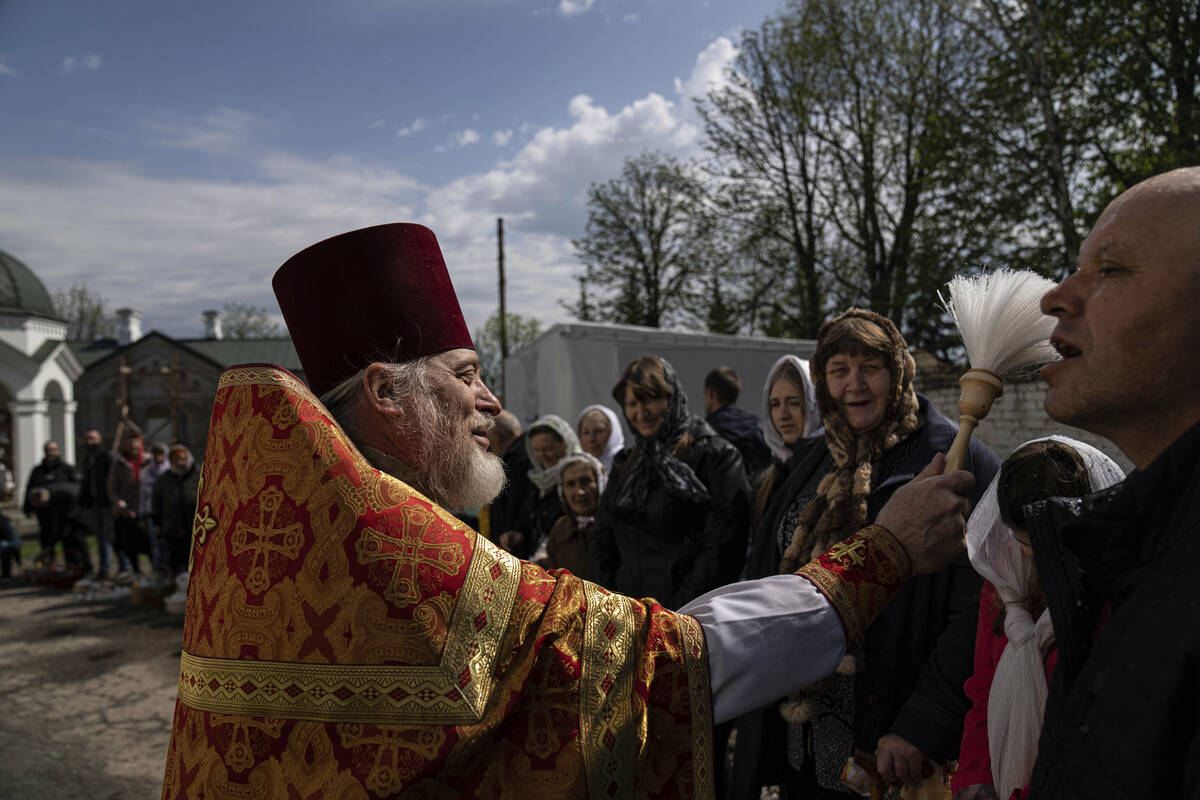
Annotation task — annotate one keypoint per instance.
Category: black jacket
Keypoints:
(59, 478)
(918, 652)
(505, 510)
(1123, 716)
(674, 550)
(742, 430)
(93, 491)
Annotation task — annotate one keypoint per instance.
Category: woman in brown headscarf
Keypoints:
(898, 693)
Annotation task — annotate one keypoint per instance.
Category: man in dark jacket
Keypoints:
(1119, 568)
(736, 426)
(50, 495)
(93, 497)
(509, 512)
(173, 506)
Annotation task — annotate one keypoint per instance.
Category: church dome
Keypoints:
(21, 291)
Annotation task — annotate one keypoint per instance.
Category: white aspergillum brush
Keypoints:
(1000, 320)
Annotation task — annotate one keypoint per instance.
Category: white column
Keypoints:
(69, 407)
(30, 432)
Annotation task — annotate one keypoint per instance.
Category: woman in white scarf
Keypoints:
(1001, 730)
(600, 433)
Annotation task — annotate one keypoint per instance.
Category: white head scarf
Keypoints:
(597, 470)
(812, 416)
(1017, 698)
(546, 478)
(616, 437)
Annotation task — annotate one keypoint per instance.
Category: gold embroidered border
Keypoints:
(454, 692)
(699, 690)
(885, 545)
(244, 376)
(840, 597)
(606, 694)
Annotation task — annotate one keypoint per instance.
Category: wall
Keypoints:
(1016, 417)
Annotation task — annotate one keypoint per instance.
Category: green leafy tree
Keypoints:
(85, 312)
(245, 321)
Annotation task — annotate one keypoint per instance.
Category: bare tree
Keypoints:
(85, 312)
(245, 321)
(646, 244)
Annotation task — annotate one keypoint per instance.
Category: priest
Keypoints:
(347, 637)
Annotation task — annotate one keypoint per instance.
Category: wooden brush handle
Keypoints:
(980, 388)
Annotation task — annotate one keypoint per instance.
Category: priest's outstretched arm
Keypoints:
(769, 637)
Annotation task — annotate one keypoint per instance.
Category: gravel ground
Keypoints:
(87, 690)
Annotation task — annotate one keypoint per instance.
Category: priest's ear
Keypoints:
(380, 390)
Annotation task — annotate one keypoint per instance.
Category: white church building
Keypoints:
(37, 372)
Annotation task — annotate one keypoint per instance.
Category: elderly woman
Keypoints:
(897, 694)
(582, 480)
(1014, 645)
(549, 440)
(791, 416)
(600, 433)
(672, 522)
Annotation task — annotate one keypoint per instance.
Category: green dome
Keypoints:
(21, 291)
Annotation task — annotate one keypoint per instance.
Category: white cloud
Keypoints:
(545, 184)
(5, 69)
(466, 137)
(630, 18)
(709, 72)
(223, 131)
(569, 8)
(419, 124)
(173, 246)
(90, 62)
(502, 138)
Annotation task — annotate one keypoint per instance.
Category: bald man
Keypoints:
(1123, 718)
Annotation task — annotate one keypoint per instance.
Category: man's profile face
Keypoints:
(455, 378)
(1127, 318)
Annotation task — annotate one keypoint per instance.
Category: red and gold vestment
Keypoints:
(347, 638)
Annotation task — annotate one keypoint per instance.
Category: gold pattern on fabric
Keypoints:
(239, 752)
(454, 692)
(409, 548)
(606, 686)
(266, 540)
(397, 755)
(840, 595)
(700, 691)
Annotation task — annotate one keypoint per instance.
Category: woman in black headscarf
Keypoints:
(897, 696)
(672, 521)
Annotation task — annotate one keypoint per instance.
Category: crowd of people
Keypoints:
(689, 504)
(138, 501)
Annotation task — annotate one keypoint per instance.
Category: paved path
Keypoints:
(87, 690)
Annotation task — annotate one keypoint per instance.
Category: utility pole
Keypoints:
(503, 311)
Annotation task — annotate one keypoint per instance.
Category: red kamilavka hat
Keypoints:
(379, 293)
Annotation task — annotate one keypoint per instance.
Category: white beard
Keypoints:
(455, 473)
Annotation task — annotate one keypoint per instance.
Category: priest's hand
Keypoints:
(929, 515)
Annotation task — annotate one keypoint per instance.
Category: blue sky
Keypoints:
(171, 155)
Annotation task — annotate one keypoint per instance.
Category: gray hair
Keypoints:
(405, 379)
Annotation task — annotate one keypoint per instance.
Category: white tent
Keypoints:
(574, 365)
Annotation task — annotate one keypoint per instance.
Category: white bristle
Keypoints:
(1000, 320)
